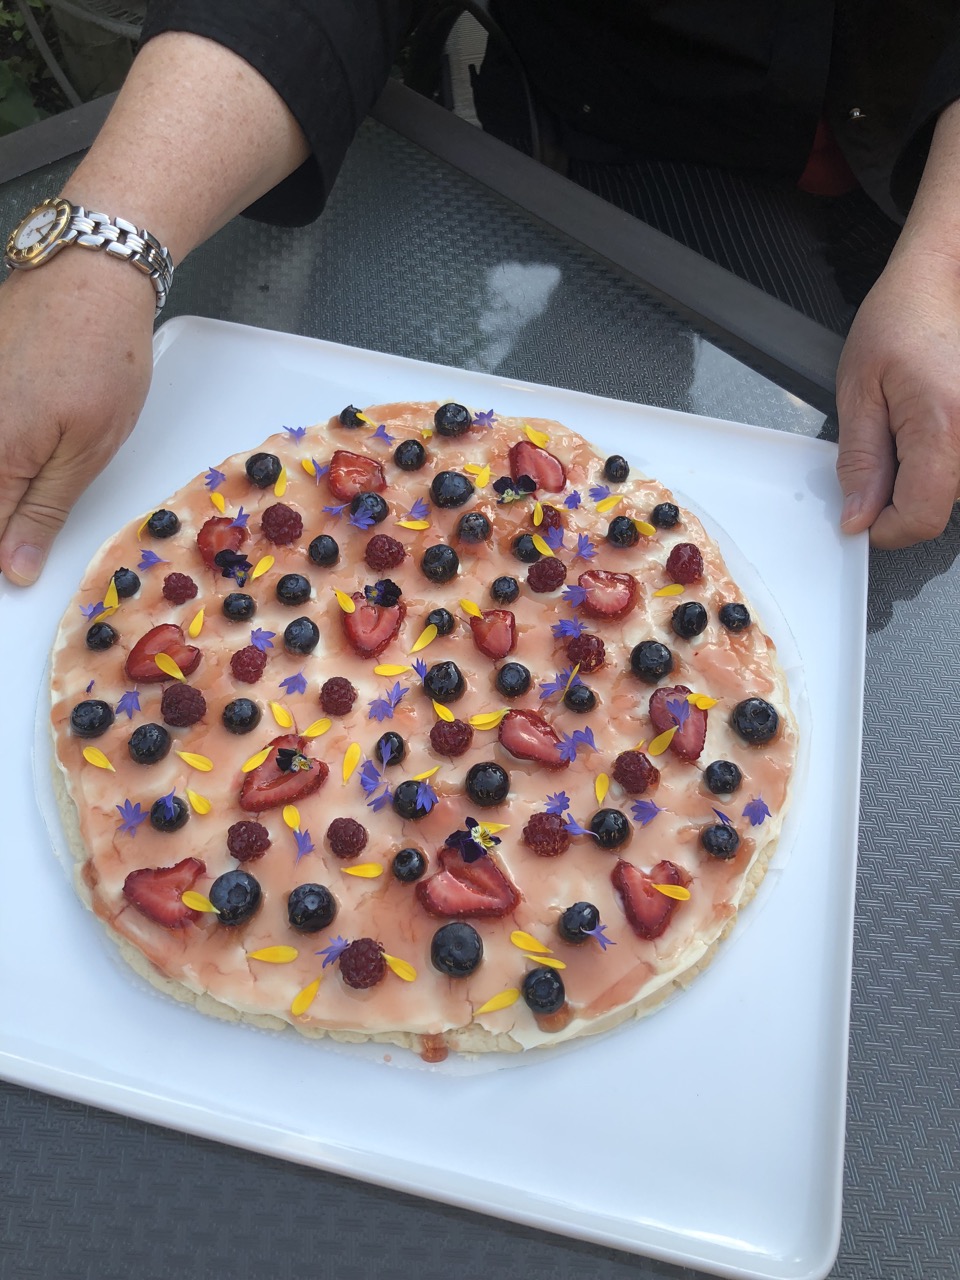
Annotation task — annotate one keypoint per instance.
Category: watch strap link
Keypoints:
(122, 239)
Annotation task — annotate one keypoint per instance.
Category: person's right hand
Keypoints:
(75, 365)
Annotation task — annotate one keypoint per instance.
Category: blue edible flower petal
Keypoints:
(572, 500)
(262, 640)
(419, 511)
(214, 479)
(679, 709)
(295, 683)
(426, 796)
(723, 818)
(296, 433)
(485, 419)
(574, 595)
(383, 434)
(128, 704)
(644, 811)
(131, 816)
(599, 932)
(304, 843)
(334, 951)
(585, 548)
(558, 803)
(381, 801)
(598, 492)
(148, 559)
(567, 629)
(756, 811)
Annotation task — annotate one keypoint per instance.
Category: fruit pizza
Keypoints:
(424, 725)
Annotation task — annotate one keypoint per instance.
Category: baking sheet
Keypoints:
(710, 1134)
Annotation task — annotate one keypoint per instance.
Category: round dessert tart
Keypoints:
(463, 738)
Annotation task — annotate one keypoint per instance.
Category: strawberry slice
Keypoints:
(269, 786)
(155, 892)
(609, 595)
(168, 639)
(528, 459)
(351, 473)
(371, 627)
(526, 735)
(648, 910)
(687, 742)
(467, 889)
(495, 633)
(217, 534)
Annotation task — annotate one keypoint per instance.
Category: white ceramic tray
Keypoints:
(710, 1134)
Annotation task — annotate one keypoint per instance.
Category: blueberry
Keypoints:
(90, 719)
(689, 619)
(473, 527)
(456, 949)
(610, 827)
(442, 619)
(101, 636)
(310, 907)
(169, 813)
(444, 682)
(452, 420)
(439, 563)
(720, 840)
(350, 417)
(293, 588)
(390, 749)
(616, 469)
(323, 550)
(622, 532)
(241, 715)
(450, 489)
(236, 895)
(263, 469)
(372, 505)
(505, 589)
(513, 679)
(543, 990)
(579, 698)
(409, 455)
(722, 777)
(577, 921)
(148, 743)
(525, 549)
(651, 661)
(163, 524)
(735, 617)
(127, 583)
(665, 515)
(405, 801)
(409, 865)
(755, 721)
(238, 606)
(301, 636)
(487, 784)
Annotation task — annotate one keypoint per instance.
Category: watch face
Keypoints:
(40, 235)
(35, 228)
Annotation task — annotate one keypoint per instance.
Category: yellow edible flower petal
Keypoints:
(414, 524)
(422, 777)
(542, 545)
(673, 891)
(317, 728)
(350, 760)
(309, 468)
(527, 942)
(482, 477)
(218, 502)
(400, 967)
(168, 666)
(537, 514)
(196, 625)
(263, 565)
(362, 417)
(473, 610)
(674, 589)
(280, 488)
(365, 870)
(488, 719)
(444, 713)
(607, 504)
(282, 716)
(660, 743)
(274, 955)
(198, 803)
(426, 636)
(536, 437)
(501, 1001)
(197, 902)
(203, 763)
(94, 756)
(702, 701)
(389, 669)
(495, 828)
(601, 786)
(344, 601)
(550, 961)
(256, 761)
(291, 816)
(111, 599)
(648, 530)
(305, 998)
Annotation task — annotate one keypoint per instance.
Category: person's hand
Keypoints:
(898, 399)
(75, 365)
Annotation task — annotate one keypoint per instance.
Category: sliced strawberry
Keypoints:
(528, 459)
(217, 534)
(156, 892)
(526, 735)
(687, 742)
(351, 473)
(495, 633)
(168, 639)
(648, 910)
(609, 595)
(461, 889)
(371, 627)
(269, 786)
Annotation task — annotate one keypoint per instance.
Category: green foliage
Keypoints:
(27, 90)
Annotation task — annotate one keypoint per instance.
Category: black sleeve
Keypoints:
(940, 90)
(327, 59)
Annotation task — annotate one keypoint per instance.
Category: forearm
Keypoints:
(196, 135)
(933, 224)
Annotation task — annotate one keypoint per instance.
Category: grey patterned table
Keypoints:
(414, 257)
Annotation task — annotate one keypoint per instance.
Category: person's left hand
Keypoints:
(898, 399)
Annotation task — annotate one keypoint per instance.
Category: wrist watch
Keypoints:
(52, 224)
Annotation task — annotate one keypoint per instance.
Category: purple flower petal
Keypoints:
(334, 951)
(756, 811)
(567, 629)
(574, 827)
(131, 816)
(644, 811)
(294, 684)
(89, 686)
(599, 932)
(148, 559)
(239, 521)
(679, 709)
(723, 818)
(558, 803)
(383, 434)
(598, 492)
(572, 500)
(318, 470)
(419, 511)
(91, 610)
(485, 419)
(585, 548)
(381, 801)
(169, 809)
(369, 777)
(420, 667)
(361, 519)
(426, 796)
(128, 704)
(304, 843)
(296, 433)
(554, 538)
(337, 511)
(214, 479)
(262, 640)
(574, 595)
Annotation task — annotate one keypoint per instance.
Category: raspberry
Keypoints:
(547, 835)
(248, 840)
(362, 963)
(383, 552)
(685, 563)
(588, 650)
(635, 773)
(281, 524)
(451, 737)
(248, 664)
(178, 588)
(552, 519)
(546, 575)
(182, 705)
(337, 696)
(347, 837)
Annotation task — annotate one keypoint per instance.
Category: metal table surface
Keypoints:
(413, 256)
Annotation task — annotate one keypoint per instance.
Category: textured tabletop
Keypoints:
(413, 258)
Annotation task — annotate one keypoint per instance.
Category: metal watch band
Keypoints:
(122, 239)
